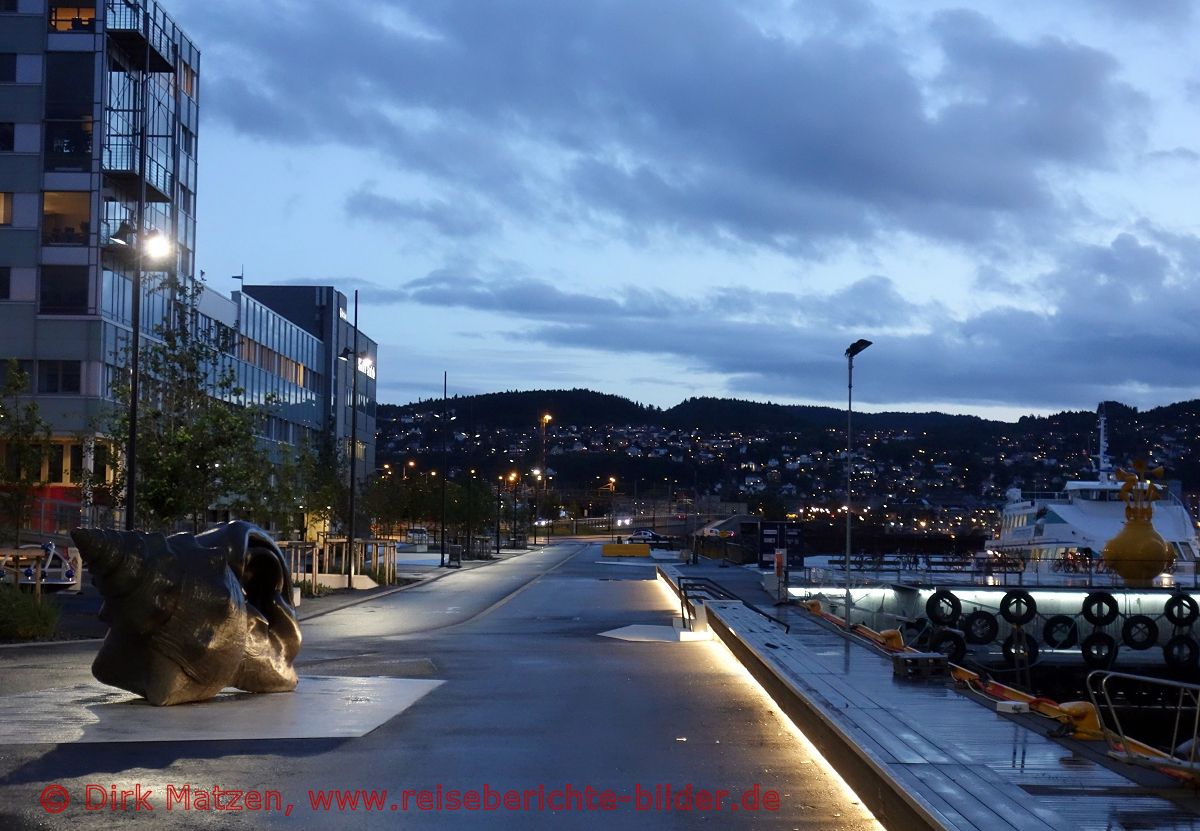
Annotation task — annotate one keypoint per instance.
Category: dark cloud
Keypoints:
(449, 220)
(1111, 320)
(677, 117)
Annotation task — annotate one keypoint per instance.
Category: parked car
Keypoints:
(653, 538)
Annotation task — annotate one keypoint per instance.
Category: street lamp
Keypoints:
(155, 247)
(499, 485)
(854, 348)
(512, 525)
(445, 424)
(612, 505)
(537, 476)
(545, 419)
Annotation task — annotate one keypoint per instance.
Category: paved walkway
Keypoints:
(534, 697)
(954, 762)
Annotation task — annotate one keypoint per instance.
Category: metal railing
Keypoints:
(690, 587)
(1123, 700)
(996, 570)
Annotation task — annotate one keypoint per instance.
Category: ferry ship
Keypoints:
(1069, 529)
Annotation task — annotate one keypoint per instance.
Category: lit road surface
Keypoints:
(533, 700)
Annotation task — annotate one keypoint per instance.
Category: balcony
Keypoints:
(142, 34)
(120, 163)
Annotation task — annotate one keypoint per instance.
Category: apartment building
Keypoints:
(99, 124)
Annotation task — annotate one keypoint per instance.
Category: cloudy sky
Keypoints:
(668, 198)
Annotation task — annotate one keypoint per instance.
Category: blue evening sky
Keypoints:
(668, 198)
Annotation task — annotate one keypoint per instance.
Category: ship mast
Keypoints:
(1103, 465)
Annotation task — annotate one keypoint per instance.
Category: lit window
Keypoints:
(71, 17)
(66, 217)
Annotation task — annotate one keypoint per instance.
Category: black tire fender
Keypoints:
(1181, 652)
(950, 643)
(1018, 607)
(1181, 609)
(980, 627)
(1139, 632)
(943, 607)
(1099, 650)
(1060, 632)
(1100, 608)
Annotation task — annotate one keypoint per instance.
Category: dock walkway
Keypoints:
(921, 754)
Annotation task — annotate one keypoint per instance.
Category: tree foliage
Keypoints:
(197, 433)
(26, 440)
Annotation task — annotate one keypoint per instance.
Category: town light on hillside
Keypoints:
(854, 348)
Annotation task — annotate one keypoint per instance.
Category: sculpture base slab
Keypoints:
(322, 707)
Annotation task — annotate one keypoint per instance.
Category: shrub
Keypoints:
(307, 589)
(22, 618)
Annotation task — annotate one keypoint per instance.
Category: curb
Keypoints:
(886, 798)
(433, 577)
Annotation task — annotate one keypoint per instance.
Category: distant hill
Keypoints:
(1041, 446)
(515, 410)
(588, 408)
(1128, 429)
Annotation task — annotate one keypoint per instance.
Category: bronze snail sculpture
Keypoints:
(189, 615)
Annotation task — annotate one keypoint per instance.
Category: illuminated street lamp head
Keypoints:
(547, 418)
(156, 246)
(856, 347)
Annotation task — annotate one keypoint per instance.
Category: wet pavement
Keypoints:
(538, 712)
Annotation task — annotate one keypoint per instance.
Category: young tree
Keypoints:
(26, 440)
(197, 435)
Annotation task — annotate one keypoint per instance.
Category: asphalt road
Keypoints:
(534, 700)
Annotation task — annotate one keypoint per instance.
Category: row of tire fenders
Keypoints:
(1077, 719)
(1098, 648)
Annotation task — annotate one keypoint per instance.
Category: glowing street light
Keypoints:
(854, 348)
(154, 247)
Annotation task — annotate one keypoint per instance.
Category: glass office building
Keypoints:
(99, 125)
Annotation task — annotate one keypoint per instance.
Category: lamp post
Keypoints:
(445, 464)
(512, 525)
(854, 348)
(537, 484)
(347, 354)
(544, 420)
(156, 247)
(499, 485)
(612, 505)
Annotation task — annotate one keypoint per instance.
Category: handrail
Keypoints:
(722, 593)
(1110, 690)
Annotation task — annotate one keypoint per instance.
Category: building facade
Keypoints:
(99, 123)
(324, 312)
